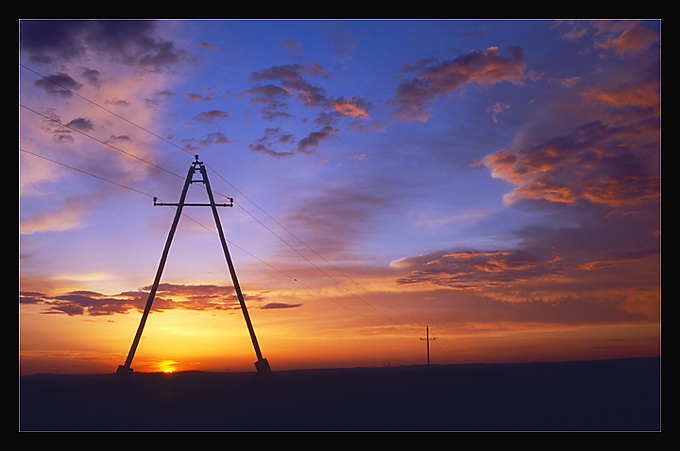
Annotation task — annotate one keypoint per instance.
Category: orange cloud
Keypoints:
(475, 270)
(169, 297)
(349, 109)
(610, 160)
(633, 39)
(644, 93)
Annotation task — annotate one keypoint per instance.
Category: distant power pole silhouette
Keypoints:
(261, 365)
(428, 339)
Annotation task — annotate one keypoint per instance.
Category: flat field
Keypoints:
(605, 395)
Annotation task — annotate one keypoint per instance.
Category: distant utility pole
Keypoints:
(428, 339)
(261, 365)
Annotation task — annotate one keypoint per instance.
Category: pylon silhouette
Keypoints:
(261, 364)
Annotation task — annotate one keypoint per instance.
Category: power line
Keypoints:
(99, 140)
(150, 195)
(294, 279)
(226, 181)
(304, 244)
(85, 172)
(103, 108)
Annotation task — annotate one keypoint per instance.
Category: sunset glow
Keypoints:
(496, 181)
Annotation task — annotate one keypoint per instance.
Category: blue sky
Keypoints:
(498, 181)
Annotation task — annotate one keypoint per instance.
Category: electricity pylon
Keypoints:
(261, 365)
(428, 339)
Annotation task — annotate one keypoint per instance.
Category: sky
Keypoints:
(494, 181)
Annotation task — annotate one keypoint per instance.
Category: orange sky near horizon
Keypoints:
(331, 329)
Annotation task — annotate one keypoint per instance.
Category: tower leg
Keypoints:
(262, 367)
(125, 370)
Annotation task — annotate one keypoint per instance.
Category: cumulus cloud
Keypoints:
(277, 87)
(591, 162)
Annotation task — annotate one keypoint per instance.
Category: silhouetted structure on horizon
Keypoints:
(428, 339)
(261, 365)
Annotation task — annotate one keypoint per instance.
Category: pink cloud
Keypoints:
(283, 84)
(633, 39)
(609, 160)
(433, 78)
(476, 269)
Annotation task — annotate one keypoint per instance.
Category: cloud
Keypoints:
(58, 84)
(290, 77)
(480, 312)
(623, 37)
(312, 141)
(168, 297)
(81, 124)
(340, 216)
(341, 40)
(212, 115)
(626, 37)
(642, 95)
(563, 287)
(129, 42)
(354, 107)
(433, 78)
(591, 164)
(279, 305)
(612, 160)
(92, 77)
(271, 141)
(71, 214)
(617, 257)
(119, 64)
(212, 138)
(204, 98)
(77, 303)
(475, 269)
(208, 46)
(277, 87)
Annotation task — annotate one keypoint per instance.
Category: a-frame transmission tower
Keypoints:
(261, 365)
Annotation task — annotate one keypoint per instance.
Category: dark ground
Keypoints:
(606, 395)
